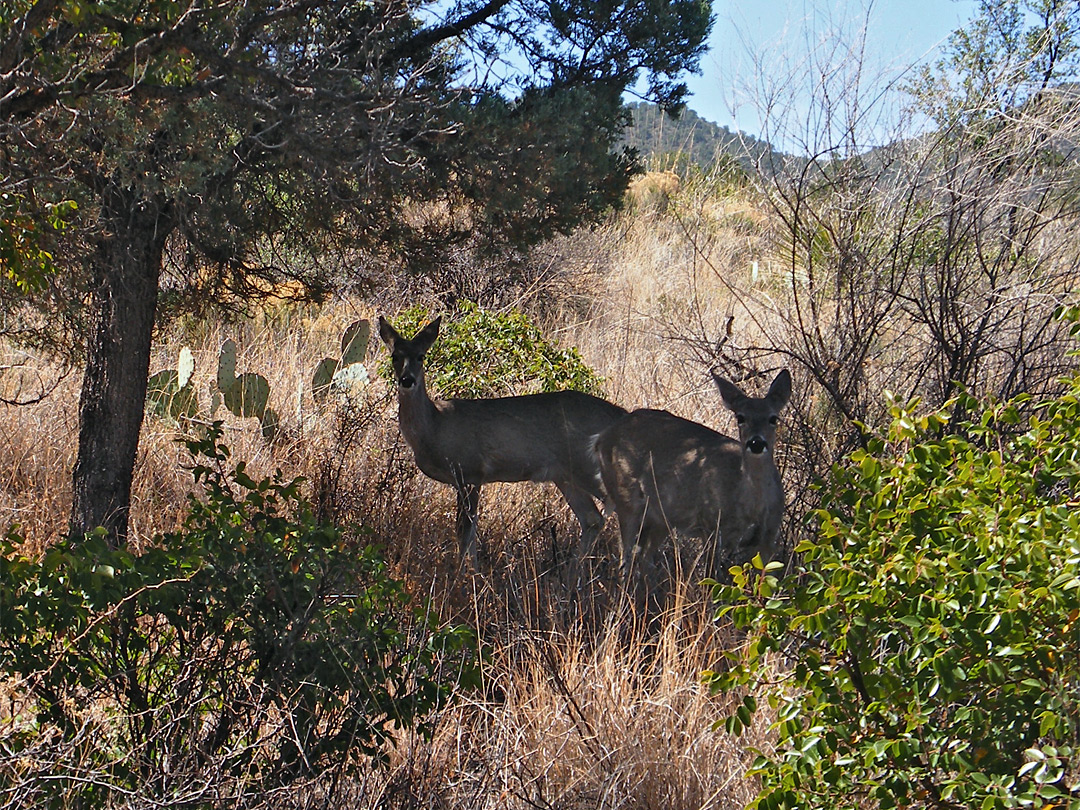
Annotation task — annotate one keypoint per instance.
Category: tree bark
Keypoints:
(126, 267)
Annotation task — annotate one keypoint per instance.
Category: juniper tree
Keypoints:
(207, 145)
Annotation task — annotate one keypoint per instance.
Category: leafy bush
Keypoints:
(481, 353)
(932, 640)
(26, 264)
(253, 647)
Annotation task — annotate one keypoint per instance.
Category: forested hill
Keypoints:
(656, 135)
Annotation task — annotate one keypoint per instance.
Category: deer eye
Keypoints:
(421, 357)
(740, 418)
(773, 420)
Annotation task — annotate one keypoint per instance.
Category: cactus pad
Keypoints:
(354, 342)
(351, 378)
(248, 395)
(185, 368)
(166, 399)
(226, 372)
(269, 421)
(323, 376)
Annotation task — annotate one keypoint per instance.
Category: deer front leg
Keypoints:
(590, 518)
(468, 503)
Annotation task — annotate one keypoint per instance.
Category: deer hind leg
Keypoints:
(590, 518)
(638, 568)
(468, 503)
(636, 561)
(646, 535)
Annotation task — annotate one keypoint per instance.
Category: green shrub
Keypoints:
(481, 353)
(928, 654)
(254, 645)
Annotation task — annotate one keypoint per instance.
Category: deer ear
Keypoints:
(780, 390)
(729, 392)
(388, 334)
(426, 336)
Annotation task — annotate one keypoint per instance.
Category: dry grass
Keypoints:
(618, 720)
(586, 706)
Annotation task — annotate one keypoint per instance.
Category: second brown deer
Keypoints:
(470, 442)
(670, 475)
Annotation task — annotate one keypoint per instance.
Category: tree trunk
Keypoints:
(126, 266)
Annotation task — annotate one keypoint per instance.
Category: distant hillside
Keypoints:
(657, 136)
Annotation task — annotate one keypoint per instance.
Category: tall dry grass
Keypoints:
(619, 720)
(585, 704)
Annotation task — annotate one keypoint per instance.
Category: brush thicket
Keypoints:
(584, 703)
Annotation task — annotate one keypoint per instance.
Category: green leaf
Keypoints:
(933, 621)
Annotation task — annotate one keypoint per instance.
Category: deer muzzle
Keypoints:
(757, 445)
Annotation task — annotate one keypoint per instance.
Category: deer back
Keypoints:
(539, 437)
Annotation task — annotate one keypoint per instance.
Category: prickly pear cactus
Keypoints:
(246, 395)
(185, 367)
(347, 375)
(354, 342)
(350, 379)
(269, 423)
(323, 376)
(170, 394)
(226, 370)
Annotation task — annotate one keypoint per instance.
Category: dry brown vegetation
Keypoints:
(585, 705)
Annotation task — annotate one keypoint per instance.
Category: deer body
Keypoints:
(668, 475)
(525, 438)
(470, 442)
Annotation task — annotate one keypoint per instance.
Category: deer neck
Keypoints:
(759, 482)
(416, 414)
(756, 465)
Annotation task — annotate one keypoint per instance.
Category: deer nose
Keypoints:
(407, 381)
(756, 445)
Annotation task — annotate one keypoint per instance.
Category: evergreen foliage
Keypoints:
(929, 645)
(483, 353)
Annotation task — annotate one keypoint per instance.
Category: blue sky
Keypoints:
(898, 33)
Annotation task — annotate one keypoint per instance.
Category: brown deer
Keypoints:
(669, 475)
(470, 442)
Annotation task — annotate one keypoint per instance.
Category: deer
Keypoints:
(668, 475)
(467, 443)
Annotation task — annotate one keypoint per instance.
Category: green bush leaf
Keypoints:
(180, 654)
(931, 645)
(482, 353)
